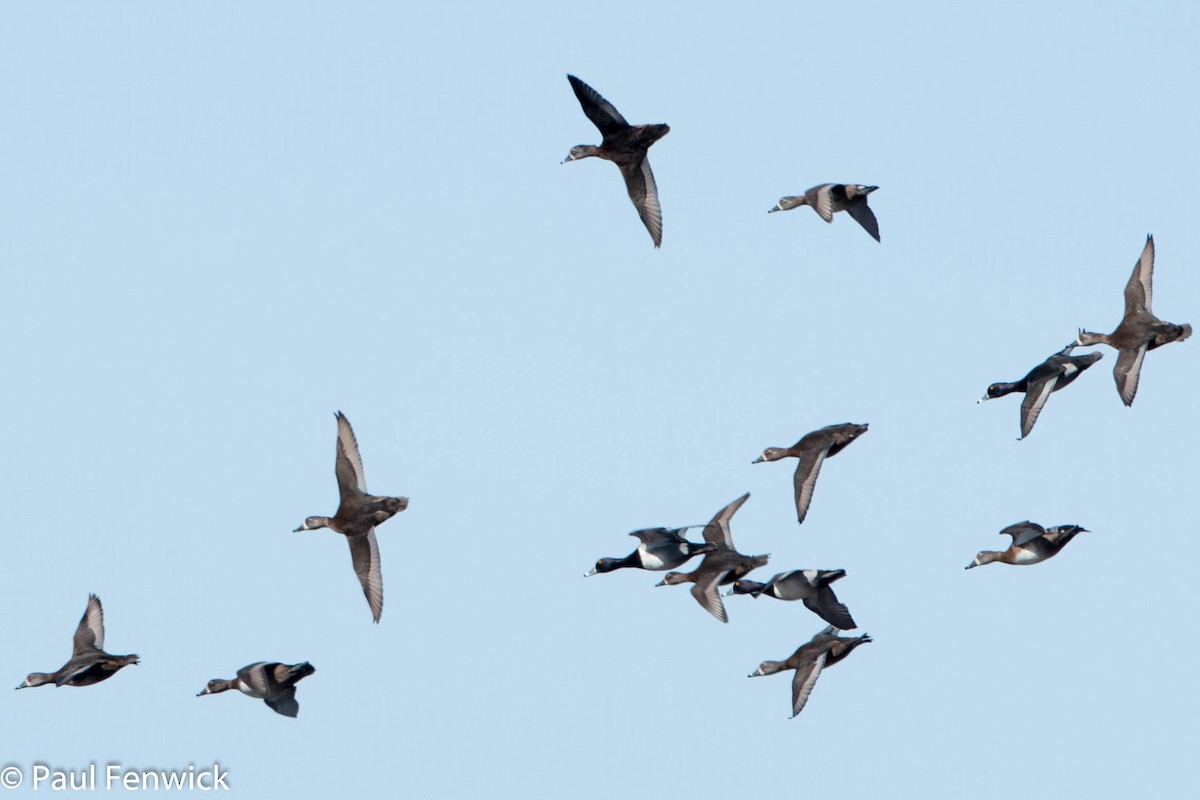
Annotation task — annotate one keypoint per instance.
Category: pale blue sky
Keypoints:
(223, 221)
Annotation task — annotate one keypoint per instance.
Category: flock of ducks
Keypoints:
(357, 516)
(666, 548)
(359, 513)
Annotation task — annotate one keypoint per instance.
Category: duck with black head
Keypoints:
(1055, 373)
(658, 549)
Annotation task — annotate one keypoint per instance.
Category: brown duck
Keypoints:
(357, 515)
(1139, 330)
(89, 663)
(626, 146)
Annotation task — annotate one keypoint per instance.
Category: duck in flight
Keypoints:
(626, 146)
(89, 663)
(1139, 331)
(829, 198)
(1056, 372)
(1031, 544)
(357, 515)
(812, 450)
(823, 650)
(658, 549)
(722, 566)
(269, 681)
(811, 586)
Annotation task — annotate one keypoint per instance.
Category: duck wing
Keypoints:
(257, 678)
(348, 466)
(90, 633)
(821, 199)
(717, 531)
(826, 606)
(601, 112)
(864, 216)
(657, 537)
(1139, 291)
(643, 191)
(1128, 371)
(806, 479)
(804, 681)
(364, 552)
(707, 594)
(1024, 532)
(1036, 394)
(284, 702)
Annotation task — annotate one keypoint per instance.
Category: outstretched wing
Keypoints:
(1139, 291)
(707, 594)
(601, 112)
(643, 191)
(806, 479)
(348, 466)
(864, 216)
(90, 633)
(1127, 372)
(1036, 395)
(804, 681)
(717, 531)
(364, 552)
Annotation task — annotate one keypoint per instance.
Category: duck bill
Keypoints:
(758, 460)
(589, 573)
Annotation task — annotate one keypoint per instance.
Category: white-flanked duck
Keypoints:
(811, 586)
(658, 549)
(1139, 330)
(357, 515)
(89, 663)
(812, 450)
(1031, 544)
(829, 198)
(722, 566)
(1056, 372)
(823, 650)
(270, 681)
(626, 146)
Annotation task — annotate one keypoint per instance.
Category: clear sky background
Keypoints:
(221, 222)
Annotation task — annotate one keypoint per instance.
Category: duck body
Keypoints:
(825, 649)
(1056, 372)
(722, 566)
(658, 549)
(1140, 331)
(626, 146)
(809, 585)
(1031, 544)
(89, 663)
(270, 681)
(812, 450)
(828, 198)
(357, 515)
